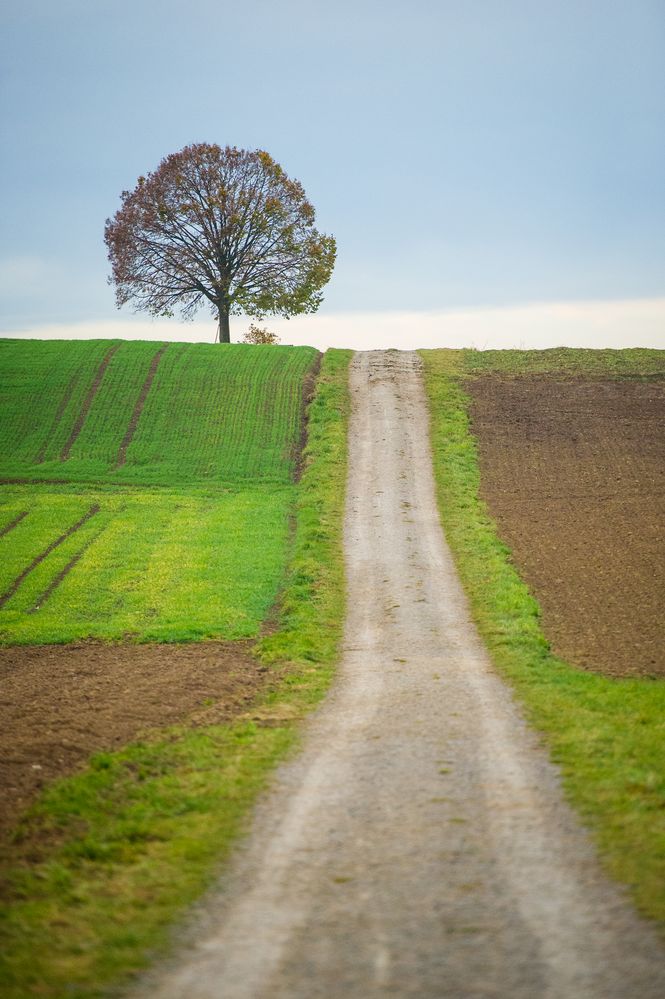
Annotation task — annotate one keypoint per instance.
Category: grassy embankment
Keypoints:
(138, 836)
(606, 735)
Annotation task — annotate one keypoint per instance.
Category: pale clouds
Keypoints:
(631, 323)
(625, 323)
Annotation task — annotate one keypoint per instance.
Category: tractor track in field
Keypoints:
(60, 412)
(9, 593)
(59, 578)
(419, 845)
(138, 408)
(87, 403)
(13, 523)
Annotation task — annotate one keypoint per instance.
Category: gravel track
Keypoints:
(419, 845)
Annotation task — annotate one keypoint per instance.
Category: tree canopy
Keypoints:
(224, 227)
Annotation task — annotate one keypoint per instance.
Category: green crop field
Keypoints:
(160, 566)
(147, 487)
(150, 414)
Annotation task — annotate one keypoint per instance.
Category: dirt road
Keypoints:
(419, 845)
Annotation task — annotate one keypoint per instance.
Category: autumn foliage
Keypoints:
(223, 227)
(258, 334)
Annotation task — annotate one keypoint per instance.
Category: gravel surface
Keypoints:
(419, 845)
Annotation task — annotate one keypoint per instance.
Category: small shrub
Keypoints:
(255, 334)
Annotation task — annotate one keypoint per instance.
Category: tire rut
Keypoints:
(138, 408)
(87, 403)
(13, 523)
(9, 593)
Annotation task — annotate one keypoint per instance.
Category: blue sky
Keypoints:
(466, 155)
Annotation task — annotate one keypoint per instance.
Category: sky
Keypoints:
(493, 170)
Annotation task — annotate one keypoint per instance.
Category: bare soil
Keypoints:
(573, 472)
(60, 703)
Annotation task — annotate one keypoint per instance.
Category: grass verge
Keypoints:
(606, 735)
(107, 859)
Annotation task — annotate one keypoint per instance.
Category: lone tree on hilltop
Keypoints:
(223, 225)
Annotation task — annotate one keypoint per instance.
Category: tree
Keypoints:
(222, 226)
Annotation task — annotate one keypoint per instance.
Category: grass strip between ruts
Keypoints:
(159, 565)
(143, 831)
(606, 735)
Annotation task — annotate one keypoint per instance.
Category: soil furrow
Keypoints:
(58, 416)
(138, 408)
(62, 575)
(13, 523)
(87, 403)
(8, 594)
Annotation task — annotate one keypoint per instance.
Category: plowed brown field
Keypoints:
(62, 703)
(573, 472)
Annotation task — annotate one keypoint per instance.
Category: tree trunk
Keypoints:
(223, 328)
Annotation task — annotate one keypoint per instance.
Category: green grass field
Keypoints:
(207, 416)
(157, 566)
(605, 734)
(147, 488)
